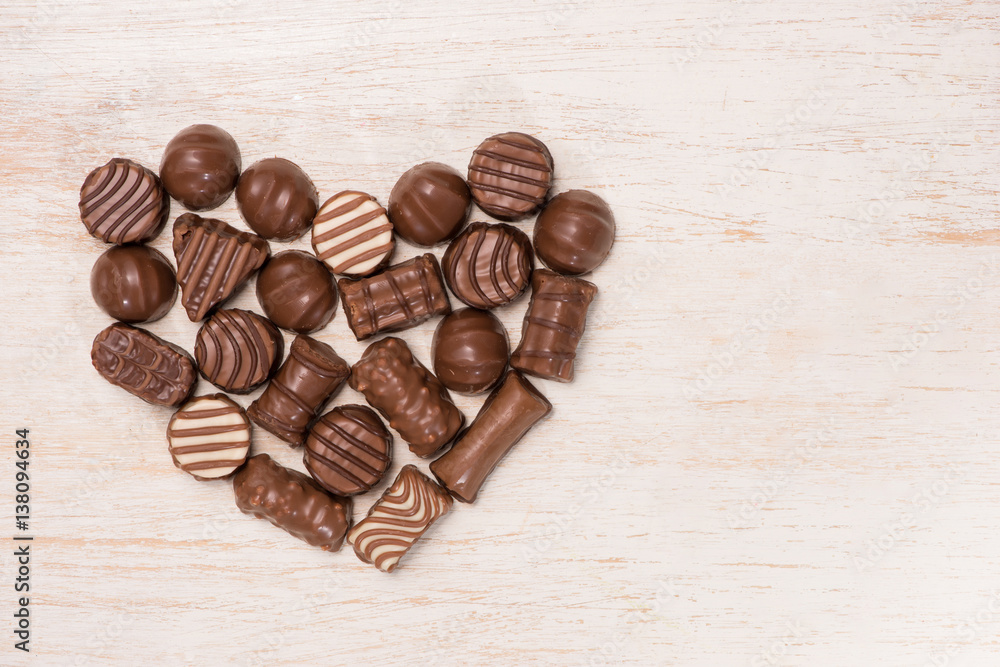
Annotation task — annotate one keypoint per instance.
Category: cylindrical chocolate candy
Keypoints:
(348, 450)
(415, 402)
(310, 376)
(513, 408)
(553, 325)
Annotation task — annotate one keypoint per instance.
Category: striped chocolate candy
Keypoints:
(352, 234)
(238, 350)
(509, 175)
(209, 437)
(348, 450)
(488, 265)
(123, 202)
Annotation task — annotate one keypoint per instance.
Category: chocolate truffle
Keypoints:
(297, 292)
(352, 234)
(470, 350)
(488, 265)
(209, 437)
(277, 199)
(509, 175)
(133, 283)
(238, 350)
(144, 365)
(348, 450)
(574, 232)
(123, 202)
(429, 204)
(200, 166)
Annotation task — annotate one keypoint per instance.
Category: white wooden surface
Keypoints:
(782, 444)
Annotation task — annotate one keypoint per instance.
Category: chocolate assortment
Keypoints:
(123, 202)
(347, 451)
(402, 296)
(488, 265)
(293, 502)
(133, 283)
(310, 376)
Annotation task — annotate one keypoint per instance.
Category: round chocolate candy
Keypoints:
(209, 437)
(123, 202)
(297, 292)
(200, 166)
(574, 232)
(348, 450)
(133, 283)
(429, 204)
(509, 175)
(488, 265)
(352, 234)
(277, 199)
(470, 350)
(238, 350)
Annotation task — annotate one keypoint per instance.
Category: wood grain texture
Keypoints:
(781, 446)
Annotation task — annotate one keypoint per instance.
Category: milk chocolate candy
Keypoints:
(352, 234)
(553, 325)
(133, 283)
(144, 364)
(513, 408)
(123, 202)
(509, 175)
(293, 502)
(408, 395)
(470, 350)
(574, 232)
(348, 450)
(213, 261)
(401, 516)
(402, 296)
(200, 166)
(238, 350)
(277, 199)
(429, 204)
(209, 437)
(488, 265)
(297, 292)
(310, 376)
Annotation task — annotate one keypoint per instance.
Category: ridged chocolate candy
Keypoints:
(429, 204)
(297, 292)
(574, 232)
(509, 175)
(209, 437)
(277, 199)
(144, 364)
(133, 283)
(352, 234)
(123, 202)
(470, 350)
(348, 450)
(238, 350)
(488, 265)
(213, 261)
(200, 166)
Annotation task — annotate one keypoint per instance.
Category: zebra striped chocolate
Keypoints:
(352, 234)
(123, 202)
(209, 437)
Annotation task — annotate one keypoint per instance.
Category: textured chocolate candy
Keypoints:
(553, 325)
(574, 232)
(348, 450)
(513, 408)
(144, 364)
(297, 292)
(402, 296)
(470, 350)
(509, 175)
(429, 204)
(352, 234)
(293, 502)
(200, 166)
(209, 437)
(123, 202)
(277, 199)
(238, 350)
(310, 376)
(400, 517)
(133, 283)
(213, 261)
(415, 402)
(488, 265)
